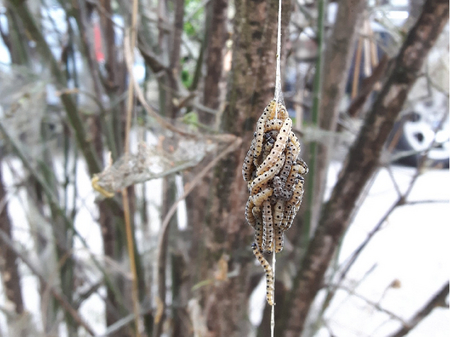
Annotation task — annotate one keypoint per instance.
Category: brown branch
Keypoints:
(362, 162)
(355, 107)
(438, 300)
(60, 298)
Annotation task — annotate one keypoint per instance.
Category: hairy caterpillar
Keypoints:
(268, 271)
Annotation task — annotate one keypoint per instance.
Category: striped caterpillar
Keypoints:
(275, 177)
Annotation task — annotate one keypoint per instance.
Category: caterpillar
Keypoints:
(260, 128)
(249, 212)
(262, 196)
(258, 233)
(303, 170)
(278, 185)
(278, 213)
(292, 206)
(271, 135)
(271, 108)
(295, 141)
(274, 175)
(266, 150)
(277, 149)
(264, 178)
(268, 271)
(279, 189)
(267, 242)
(293, 175)
(273, 125)
(248, 166)
(279, 240)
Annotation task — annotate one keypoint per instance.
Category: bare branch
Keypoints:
(437, 300)
(362, 161)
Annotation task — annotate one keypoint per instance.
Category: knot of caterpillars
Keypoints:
(275, 174)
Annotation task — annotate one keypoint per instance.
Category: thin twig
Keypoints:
(58, 297)
(162, 121)
(401, 201)
(140, 94)
(126, 203)
(438, 300)
(369, 302)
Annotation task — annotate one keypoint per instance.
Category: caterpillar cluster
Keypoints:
(275, 175)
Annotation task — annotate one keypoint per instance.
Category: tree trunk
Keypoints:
(361, 163)
(216, 37)
(340, 47)
(225, 235)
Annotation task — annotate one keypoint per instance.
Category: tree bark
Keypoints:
(361, 162)
(216, 37)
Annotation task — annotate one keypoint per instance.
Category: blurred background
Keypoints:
(123, 128)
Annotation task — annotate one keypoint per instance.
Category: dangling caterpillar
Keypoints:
(268, 271)
(267, 242)
(279, 240)
(274, 176)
